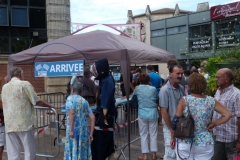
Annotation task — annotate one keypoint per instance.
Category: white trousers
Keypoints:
(169, 152)
(14, 140)
(197, 152)
(148, 127)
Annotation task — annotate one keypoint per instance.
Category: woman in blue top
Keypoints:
(78, 136)
(147, 116)
(201, 108)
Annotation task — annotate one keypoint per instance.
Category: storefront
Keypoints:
(227, 24)
(198, 35)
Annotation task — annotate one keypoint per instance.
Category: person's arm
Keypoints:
(163, 103)
(160, 82)
(92, 125)
(166, 117)
(226, 115)
(178, 114)
(131, 86)
(71, 121)
(44, 104)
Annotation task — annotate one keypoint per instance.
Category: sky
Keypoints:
(115, 11)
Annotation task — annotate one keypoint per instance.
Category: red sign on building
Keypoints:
(224, 11)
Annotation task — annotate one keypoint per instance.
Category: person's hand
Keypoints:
(238, 146)
(172, 143)
(91, 138)
(71, 134)
(211, 126)
(51, 106)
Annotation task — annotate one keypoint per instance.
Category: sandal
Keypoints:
(142, 158)
(162, 156)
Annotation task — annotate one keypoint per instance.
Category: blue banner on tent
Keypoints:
(56, 69)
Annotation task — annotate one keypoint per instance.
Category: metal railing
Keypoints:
(121, 134)
(46, 130)
(55, 98)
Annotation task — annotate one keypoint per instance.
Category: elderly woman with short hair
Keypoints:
(78, 138)
(201, 108)
(147, 116)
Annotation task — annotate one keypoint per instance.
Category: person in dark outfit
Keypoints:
(122, 85)
(103, 144)
(89, 89)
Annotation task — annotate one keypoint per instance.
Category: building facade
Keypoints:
(199, 34)
(147, 19)
(27, 23)
(149, 16)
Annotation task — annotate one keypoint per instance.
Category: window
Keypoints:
(19, 44)
(172, 30)
(19, 32)
(222, 27)
(19, 2)
(3, 16)
(195, 32)
(206, 31)
(200, 31)
(36, 42)
(20, 17)
(3, 2)
(182, 28)
(228, 32)
(4, 47)
(159, 32)
(200, 38)
(37, 3)
(176, 29)
(4, 32)
(37, 18)
(228, 26)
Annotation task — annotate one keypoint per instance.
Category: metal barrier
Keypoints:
(121, 134)
(56, 98)
(46, 129)
(118, 92)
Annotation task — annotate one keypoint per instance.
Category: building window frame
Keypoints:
(199, 42)
(27, 16)
(231, 37)
(158, 32)
(7, 24)
(177, 29)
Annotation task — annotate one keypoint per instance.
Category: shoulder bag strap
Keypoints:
(179, 154)
(187, 103)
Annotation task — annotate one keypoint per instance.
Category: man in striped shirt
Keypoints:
(227, 142)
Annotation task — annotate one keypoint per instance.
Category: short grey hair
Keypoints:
(77, 87)
(15, 71)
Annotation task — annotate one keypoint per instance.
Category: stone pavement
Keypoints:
(50, 149)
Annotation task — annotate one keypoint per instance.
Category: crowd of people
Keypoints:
(165, 101)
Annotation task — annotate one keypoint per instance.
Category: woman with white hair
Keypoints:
(78, 138)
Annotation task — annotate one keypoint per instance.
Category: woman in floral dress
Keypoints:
(201, 107)
(78, 137)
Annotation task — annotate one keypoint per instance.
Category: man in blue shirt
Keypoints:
(155, 78)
